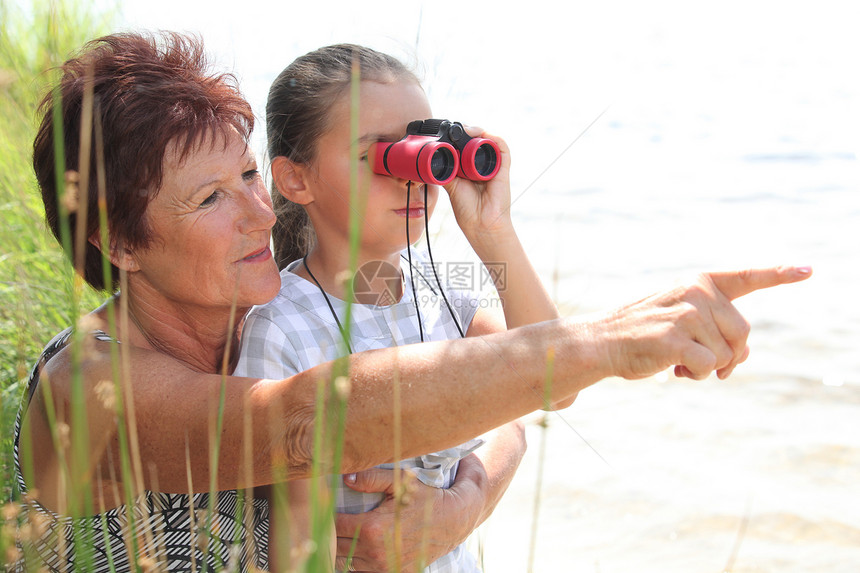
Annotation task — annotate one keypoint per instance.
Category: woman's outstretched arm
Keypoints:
(449, 391)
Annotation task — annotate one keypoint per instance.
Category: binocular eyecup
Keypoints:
(435, 151)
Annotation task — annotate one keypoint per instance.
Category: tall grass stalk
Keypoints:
(543, 423)
(120, 361)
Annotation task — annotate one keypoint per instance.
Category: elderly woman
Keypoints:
(119, 475)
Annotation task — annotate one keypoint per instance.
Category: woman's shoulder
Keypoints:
(90, 351)
(60, 346)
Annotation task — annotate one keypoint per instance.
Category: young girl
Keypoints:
(398, 298)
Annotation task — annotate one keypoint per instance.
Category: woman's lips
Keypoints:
(263, 254)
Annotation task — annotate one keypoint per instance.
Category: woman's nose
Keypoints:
(258, 213)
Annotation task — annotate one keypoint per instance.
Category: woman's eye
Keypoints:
(250, 174)
(210, 200)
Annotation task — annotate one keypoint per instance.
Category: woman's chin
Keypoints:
(260, 287)
(269, 288)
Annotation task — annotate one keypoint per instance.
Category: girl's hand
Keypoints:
(483, 208)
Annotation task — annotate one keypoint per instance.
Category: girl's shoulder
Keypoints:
(296, 301)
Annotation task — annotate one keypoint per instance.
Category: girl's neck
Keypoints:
(379, 274)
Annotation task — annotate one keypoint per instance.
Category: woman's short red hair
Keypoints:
(150, 91)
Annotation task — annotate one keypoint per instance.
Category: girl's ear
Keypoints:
(119, 256)
(290, 180)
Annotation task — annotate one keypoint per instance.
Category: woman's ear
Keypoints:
(290, 179)
(119, 256)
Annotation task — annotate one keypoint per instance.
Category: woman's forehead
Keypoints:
(197, 162)
(217, 140)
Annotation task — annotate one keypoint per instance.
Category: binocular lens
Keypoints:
(485, 159)
(442, 164)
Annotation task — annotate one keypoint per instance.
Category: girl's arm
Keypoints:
(483, 212)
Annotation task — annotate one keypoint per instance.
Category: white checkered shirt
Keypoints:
(296, 331)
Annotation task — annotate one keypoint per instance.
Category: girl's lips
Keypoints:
(412, 211)
(263, 254)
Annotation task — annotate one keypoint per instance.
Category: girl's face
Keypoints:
(383, 114)
(211, 219)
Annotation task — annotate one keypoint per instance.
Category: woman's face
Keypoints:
(383, 114)
(211, 222)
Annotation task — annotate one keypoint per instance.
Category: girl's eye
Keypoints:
(367, 153)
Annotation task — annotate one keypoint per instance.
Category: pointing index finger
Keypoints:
(735, 284)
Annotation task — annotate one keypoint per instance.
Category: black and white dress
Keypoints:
(158, 528)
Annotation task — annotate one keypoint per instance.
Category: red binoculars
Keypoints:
(435, 151)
